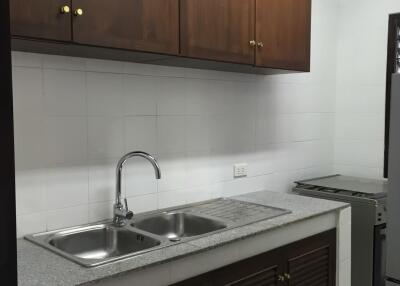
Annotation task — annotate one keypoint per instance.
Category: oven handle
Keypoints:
(379, 255)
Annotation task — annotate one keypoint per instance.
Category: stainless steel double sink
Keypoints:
(101, 243)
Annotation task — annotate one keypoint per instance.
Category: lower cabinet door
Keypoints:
(263, 269)
(312, 262)
(265, 277)
(309, 262)
(202, 280)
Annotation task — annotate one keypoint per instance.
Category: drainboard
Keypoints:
(236, 212)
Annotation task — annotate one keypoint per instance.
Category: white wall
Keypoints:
(75, 117)
(361, 75)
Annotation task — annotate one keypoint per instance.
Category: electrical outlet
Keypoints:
(240, 170)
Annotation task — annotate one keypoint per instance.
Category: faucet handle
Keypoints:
(126, 204)
(129, 214)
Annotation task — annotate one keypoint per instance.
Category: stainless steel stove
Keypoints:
(368, 202)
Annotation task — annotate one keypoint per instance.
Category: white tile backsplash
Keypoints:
(105, 137)
(105, 94)
(140, 95)
(64, 93)
(197, 133)
(360, 91)
(66, 187)
(198, 171)
(102, 180)
(143, 203)
(31, 195)
(359, 171)
(100, 211)
(75, 117)
(67, 217)
(171, 98)
(141, 133)
(97, 65)
(352, 126)
(171, 134)
(172, 198)
(65, 140)
(27, 60)
(30, 142)
(139, 178)
(63, 63)
(173, 168)
(365, 153)
(28, 97)
(31, 223)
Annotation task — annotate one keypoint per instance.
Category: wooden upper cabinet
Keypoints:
(272, 34)
(41, 19)
(218, 30)
(283, 34)
(144, 25)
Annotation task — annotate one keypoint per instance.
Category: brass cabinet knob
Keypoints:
(252, 43)
(260, 44)
(78, 12)
(281, 278)
(65, 9)
(287, 276)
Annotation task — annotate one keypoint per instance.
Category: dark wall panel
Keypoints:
(394, 23)
(8, 260)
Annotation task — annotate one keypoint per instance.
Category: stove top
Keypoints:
(346, 185)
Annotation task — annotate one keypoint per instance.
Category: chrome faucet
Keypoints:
(121, 212)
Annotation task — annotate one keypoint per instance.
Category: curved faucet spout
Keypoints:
(119, 212)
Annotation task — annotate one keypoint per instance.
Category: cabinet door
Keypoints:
(312, 262)
(42, 19)
(218, 30)
(202, 280)
(144, 25)
(265, 277)
(261, 270)
(283, 32)
(309, 262)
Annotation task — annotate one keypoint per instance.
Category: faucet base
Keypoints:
(119, 222)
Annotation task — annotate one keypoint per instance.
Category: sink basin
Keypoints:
(103, 242)
(177, 225)
(98, 244)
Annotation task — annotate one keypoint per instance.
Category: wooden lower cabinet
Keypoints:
(309, 262)
(262, 269)
(312, 262)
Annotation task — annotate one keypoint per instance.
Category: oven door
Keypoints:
(379, 255)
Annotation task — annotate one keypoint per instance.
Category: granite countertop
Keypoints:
(40, 267)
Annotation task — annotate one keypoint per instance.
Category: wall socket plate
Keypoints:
(240, 170)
